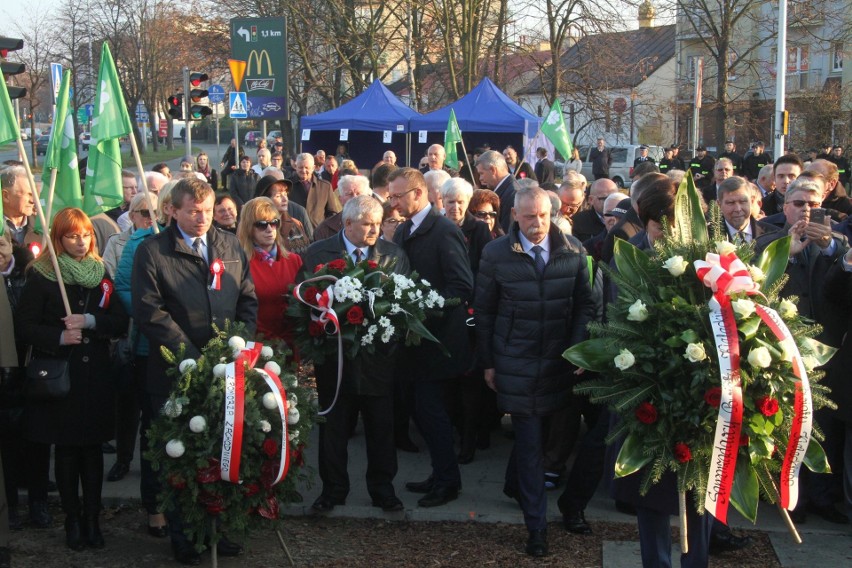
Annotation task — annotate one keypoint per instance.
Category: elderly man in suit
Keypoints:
(367, 380)
(737, 201)
(494, 174)
(174, 305)
(437, 252)
(589, 222)
(313, 193)
(347, 187)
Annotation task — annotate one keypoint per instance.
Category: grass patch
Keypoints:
(150, 157)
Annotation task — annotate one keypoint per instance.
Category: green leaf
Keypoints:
(815, 458)
(417, 327)
(631, 457)
(745, 493)
(592, 355)
(633, 264)
(773, 261)
(749, 327)
(689, 336)
(690, 226)
(818, 350)
(760, 448)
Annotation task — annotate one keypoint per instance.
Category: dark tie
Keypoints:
(539, 260)
(359, 255)
(196, 246)
(741, 237)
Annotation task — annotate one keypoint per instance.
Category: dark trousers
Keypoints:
(560, 434)
(525, 470)
(478, 405)
(825, 489)
(433, 421)
(25, 464)
(588, 466)
(656, 542)
(127, 410)
(149, 483)
(377, 413)
(80, 466)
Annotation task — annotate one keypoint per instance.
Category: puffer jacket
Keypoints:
(524, 322)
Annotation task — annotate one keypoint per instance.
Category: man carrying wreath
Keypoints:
(367, 383)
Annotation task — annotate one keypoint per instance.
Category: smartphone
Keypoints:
(818, 216)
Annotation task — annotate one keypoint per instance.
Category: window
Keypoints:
(797, 59)
(837, 57)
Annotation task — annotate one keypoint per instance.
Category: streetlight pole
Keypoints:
(780, 78)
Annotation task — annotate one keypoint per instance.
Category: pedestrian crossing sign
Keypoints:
(238, 104)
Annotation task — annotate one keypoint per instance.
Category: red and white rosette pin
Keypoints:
(217, 267)
(107, 288)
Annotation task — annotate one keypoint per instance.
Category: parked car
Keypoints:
(251, 137)
(24, 135)
(271, 137)
(621, 169)
(41, 145)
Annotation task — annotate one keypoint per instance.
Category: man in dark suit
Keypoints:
(545, 170)
(494, 174)
(435, 156)
(436, 250)
(785, 170)
(367, 380)
(312, 193)
(601, 159)
(590, 222)
(701, 167)
(643, 156)
(736, 201)
(731, 153)
(529, 283)
(174, 305)
(517, 169)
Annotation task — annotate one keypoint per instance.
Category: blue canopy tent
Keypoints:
(486, 115)
(372, 118)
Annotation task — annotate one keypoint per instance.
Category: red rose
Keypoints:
(177, 481)
(315, 329)
(372, 264)
(209, 474)
(337, 264)
(296, 457)
(768, 406)
(268, 472)
(318, 267)
(311, 293)
(713, 396)
(646, 413)
(252, 489)
(269, 510)
(270, 447)
(355, 315)
(682, 453)
(213, 502)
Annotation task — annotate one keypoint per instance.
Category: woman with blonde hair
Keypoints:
(202, 166)
(82, 421)
(272, 267)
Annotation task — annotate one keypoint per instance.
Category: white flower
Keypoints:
(293, 417)
(760, 357)
(266, 352)
(172, 408)
(186, 365)
(175, 448)
(676, 265)
(265, 426)
(638, 311)
(384, 322)
(269, 401)
(695, 352)
(725, 247)
(624, 360)
(787, 309)
(292, 435)
(387, 334)
(223, 359)
(425, 282)
(197, 424)
(273, 367)
(395, 308)
(219, 370)
(756, 273)
(293, 398)
(743, 308)
(237, 343)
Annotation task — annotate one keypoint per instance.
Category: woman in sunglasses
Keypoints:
(139, 212)
(273, 268)
(485, 206)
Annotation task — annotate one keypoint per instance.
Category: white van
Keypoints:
(621, 169)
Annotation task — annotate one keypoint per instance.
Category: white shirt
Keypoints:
(528, 245)
(350, 249)
(418, 217)
(746, 231)
(191, 240)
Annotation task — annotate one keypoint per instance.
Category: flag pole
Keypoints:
(136, 155)
(45, 228)
(50, 248)
(467, 160)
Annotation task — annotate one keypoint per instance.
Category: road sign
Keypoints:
(238, 104)
(141, 113)
(238, 69)
(90, 110)
(82, 117)
(216, 94)
(163, 129)
(262, 44)
(55, 79)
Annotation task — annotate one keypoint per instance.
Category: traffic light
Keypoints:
(10, 68)
(198, 111)
(176, 107)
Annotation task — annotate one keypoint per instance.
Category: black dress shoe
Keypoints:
(158, 532)
(39, 515)
(829, 513)
(466, 456)
(726, 541)
(537, 543)
(406, 445)
(389, 504)
(92, 532)
(325, 504)
(421, 486)
(107, 448)
(576, 523)
(74, 533)
(118, 471)
(5, 557)
(226, 547)
(439, 496)
(186, 554)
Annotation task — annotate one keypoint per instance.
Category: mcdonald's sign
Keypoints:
(262, 44)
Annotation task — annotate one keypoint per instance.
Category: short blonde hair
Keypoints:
(259, 209)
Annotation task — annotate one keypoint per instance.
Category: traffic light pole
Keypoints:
(187, 107)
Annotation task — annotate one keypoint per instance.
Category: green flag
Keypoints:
(110, 122)
(555, 130)
(8, 130)
(452, 137)
(62, 155)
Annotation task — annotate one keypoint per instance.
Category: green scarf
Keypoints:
(87, 273)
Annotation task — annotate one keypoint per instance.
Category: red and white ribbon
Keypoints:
(328, 318)
(800, 430)
(232, 438)
(725, 274)
(280, 395)
(107, 287)
(217, 267)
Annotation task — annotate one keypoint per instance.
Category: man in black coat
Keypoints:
(701, 167)
(533, 301)
(517, 169)
(752, 163)
(643, 156)
(601, 160)
(436, 250)
(174, 305)
(630, 225)
(842, 165)
(731, 153)
(545, 170)
(230, 161)
(590, 222)
(494, 174)
(367, 380)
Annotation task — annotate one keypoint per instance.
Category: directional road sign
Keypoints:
(55, 79)
(262, 44)
(216, 94)
(238, 104)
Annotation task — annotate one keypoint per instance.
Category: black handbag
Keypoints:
(48, 379)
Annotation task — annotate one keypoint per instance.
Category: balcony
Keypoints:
(809, 80)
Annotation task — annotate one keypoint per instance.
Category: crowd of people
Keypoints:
(520, 249)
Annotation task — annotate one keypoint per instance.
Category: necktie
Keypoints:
(196, 246)
(741, 237)
(539, 260)
(358, 254)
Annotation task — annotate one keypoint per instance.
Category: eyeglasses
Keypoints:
(262, 225)
(78, 237)
(393, 221)
(400, 195)
(801, 203)
(144, 212)
(485, 214)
